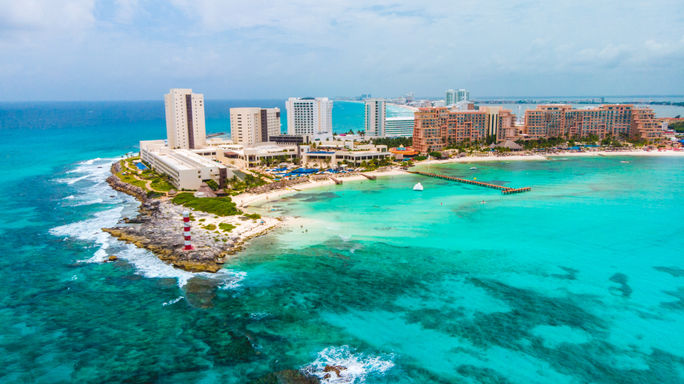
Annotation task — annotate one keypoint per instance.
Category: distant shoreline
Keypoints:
(250, 199)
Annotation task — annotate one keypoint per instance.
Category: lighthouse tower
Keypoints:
(186, 231)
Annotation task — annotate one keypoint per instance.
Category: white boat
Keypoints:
(473, 168)
(624, 162)
(418, 187)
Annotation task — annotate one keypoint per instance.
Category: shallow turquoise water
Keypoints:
(580, 280)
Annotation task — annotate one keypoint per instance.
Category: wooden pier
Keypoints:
(504, 190)
(337, 181)
(369, 177)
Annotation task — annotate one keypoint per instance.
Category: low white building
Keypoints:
(185, 168)
(256, 155)
(336, 153)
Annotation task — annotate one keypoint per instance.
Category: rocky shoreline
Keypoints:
(158, 228)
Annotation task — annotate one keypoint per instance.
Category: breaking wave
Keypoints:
(344, 366)
(96, 191)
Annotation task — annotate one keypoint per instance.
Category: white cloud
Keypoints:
(275, 48)
(46, 15)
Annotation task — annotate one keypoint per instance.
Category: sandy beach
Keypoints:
(247, 199)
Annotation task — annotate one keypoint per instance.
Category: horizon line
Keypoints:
(339, 98)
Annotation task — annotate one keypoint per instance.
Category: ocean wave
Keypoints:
(89, 230)
(174, 301)
(352, 368)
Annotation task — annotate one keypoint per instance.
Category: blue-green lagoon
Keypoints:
(580, 280)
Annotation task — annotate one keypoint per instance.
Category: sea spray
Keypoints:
(92, 186)
(345, 366)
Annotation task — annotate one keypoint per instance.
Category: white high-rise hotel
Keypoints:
(375, 117)
(454, 96)
(310, 116)
(249, 126)
(185, 119)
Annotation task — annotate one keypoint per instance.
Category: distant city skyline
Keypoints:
(136, 50)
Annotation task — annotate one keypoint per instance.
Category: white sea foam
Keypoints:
(356, 366)
(171, 302)
(89, 230)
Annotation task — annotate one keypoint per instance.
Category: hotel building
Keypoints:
(186, 168)
(250, 126)
(399, 126)
(435, 128)
(184, 119)
(310, 117)
(375, 117)
(454, 96)
(607, 120)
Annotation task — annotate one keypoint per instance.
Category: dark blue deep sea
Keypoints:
(579, 281)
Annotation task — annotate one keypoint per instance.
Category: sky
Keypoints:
(138, 49)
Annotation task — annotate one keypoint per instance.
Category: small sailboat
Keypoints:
(418, 187)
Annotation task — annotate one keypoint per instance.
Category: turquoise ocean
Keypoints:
(580, 280)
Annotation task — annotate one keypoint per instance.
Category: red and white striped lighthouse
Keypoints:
(186, 230)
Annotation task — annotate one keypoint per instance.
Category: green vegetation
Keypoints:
(253, 216)
(161, 184)
(275, 160)
(209, 227)
(225, 227)
(267, 176)
(250, 181)
(543, 143)
(420, 158)
(436, 154)
(374, 164)
(212, 184)
(220, 206)
(392, 142)
(677, 126)
(132, 175)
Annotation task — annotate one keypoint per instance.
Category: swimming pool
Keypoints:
(141, 166)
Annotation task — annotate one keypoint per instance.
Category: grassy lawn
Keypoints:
(219, 206)
(130, 179)
(132, 175)
(225, 227)
(253, 216)
(160, 184)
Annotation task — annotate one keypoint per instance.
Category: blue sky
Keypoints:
(138, 49)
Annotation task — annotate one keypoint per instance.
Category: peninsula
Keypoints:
(214, 180)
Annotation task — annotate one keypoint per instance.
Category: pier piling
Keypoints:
(504, 190)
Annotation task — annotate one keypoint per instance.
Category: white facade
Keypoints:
(450, 97)
(186, 169)
(309, 117)
(462, 94)
(399, 126)
(185, 127)
(454, 96)
(250, 126)
(375, 117)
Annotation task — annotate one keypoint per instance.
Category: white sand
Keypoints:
(246, 199)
